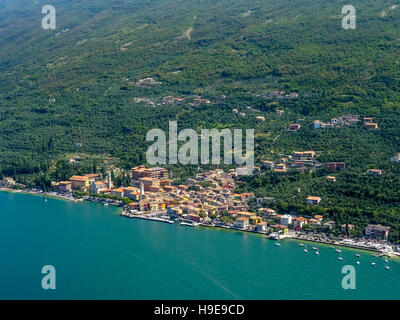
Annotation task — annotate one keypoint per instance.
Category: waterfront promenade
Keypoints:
(382, 249)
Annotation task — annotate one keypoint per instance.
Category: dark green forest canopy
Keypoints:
(72, 89)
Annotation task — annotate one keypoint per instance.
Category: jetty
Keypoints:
(145, 217)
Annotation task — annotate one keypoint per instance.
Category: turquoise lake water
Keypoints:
(100, 255)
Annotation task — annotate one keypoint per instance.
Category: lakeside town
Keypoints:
(209, 200)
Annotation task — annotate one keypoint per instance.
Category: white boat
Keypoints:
(357, 255)
(277, 244)
(373, 264)
(314, 248)
(316, 252)
(386, 260)
(301, 244)
(387, 267)
(358, 262)
(106, 204)
(339, 251)
(340, 258)
(305, 250)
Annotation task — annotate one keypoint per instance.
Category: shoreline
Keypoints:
(295, 238)
(62, 197)
(43, 194)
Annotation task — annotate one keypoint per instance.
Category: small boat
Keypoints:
(314, 248)
(358, 262)
(387, 267)
(386, 260)
(340, 258)
(301, 244)
(316, 252)
(357, 255)
(339, 251)
(106, 204)
(305, 250)
(277, 244)
(373, 264)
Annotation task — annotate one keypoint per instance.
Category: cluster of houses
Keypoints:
(151, 190)
(173, 100)
(86, 183)
(207, 194)
(346, 120)
(269, 220)
(297, 160)
(300, 160)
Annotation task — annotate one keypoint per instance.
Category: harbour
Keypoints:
(383, 250)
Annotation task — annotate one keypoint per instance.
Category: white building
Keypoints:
(396, 158)
(242, 223)
(286, 219)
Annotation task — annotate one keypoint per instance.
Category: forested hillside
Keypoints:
(74, 89)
